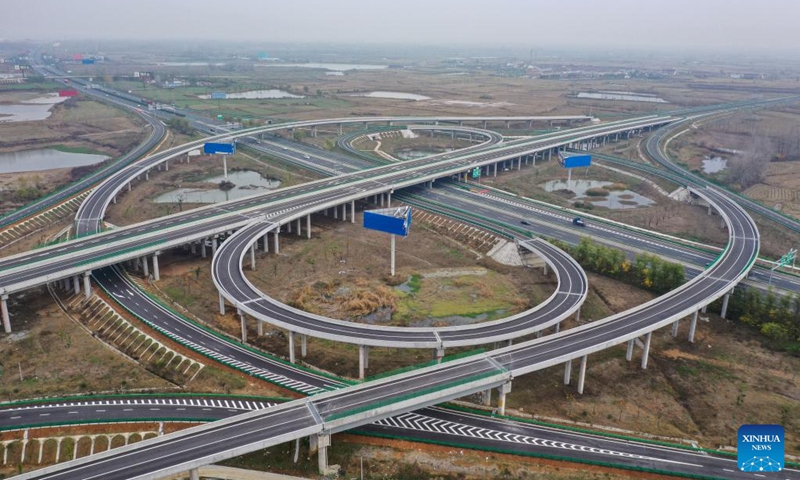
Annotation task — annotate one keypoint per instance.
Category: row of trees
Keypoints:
(646, 271)
(776, 317)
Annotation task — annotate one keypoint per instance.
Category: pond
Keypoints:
(615, 200)
(392, 95)
(255, 95)
(415, 154)
(339, 67)
(247, 183)
(628, 96)
(45, 159)
(30, 110)
(714, 165)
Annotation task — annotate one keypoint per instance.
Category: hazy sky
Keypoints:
(712, 24)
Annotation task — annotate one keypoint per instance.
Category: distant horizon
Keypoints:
(704, 26)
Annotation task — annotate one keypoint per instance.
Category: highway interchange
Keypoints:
(520, 359)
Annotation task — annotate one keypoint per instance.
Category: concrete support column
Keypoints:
(156, 273)
(6, 318)
(558, 327)
(693, 327)
(336, 212)
(203, 248)
(438, 354)
(166, 166)
(629, 353)
(725, 301)
(344, 212)
(194, 474)
(675, 328)
(519, 164)
(323, 442)
(214, 245)
(129, 186)
(704, 309)
(277, 241)
(582, 374)
(487, 397)
(76, 284)
(567, 371)
(646, 352)
(221, 304)
(87, 284)
(308, 226)
(291, 347)
(243, 320)
(303, 345)
(289, 227)
(147, 174)
(260, 326)
(578, 315)
(495, 170)
(389, 199)
(504, 390)
(266, 242)
(253, 256)
(193, 247)
(352, 211)
(299, 228)
(363, 352)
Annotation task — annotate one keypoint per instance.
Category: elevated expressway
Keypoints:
(351, 407)
(79, 257)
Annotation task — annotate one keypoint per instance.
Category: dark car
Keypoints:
(525, 222)
(578, 221)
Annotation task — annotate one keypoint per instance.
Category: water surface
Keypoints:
(45, 159)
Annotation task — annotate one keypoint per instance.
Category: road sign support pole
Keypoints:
(87, 284)
(569, 177)
(693, 327)
(393, 247)
(225, 165)
(582, 374)
(629, 353)
(646, 352)
(567, 371)
(6, 318)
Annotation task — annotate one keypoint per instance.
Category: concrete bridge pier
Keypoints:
(629, 353)
(323, 442)
(291, 347)
(303, 345)
(675, 328)
(363, 360)
(725, 301)
(6, 318)
(203, 248)
(389, 199)
(557, 327)
(260, 326)
(693, 327)
(567, 371)
(299, 228)
(156, 273)
(582, 374)
(87, 284)
(243, 320)
(265, 241)
(194, 474)
(308, 226)
(487, 397)
(438, 354)
(76, 284)
(253, 256)
(221, 304)
(646, 352)
(277, 246)
(145, 267)
(352, 213)
(503, 390)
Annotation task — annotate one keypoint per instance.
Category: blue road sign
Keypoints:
(219, 95)
(574, 161)
(223, 148)
(389, 220)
